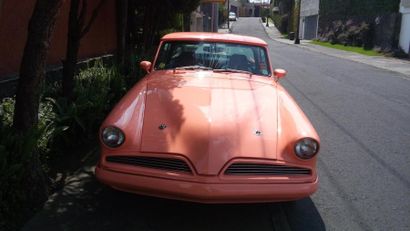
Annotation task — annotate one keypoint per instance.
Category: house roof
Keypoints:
(214, 37)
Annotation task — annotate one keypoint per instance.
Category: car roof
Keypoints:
(214, 37)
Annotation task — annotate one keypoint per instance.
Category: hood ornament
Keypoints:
(162, 127)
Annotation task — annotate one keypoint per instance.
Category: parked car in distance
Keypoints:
(232, 16)
(210, 123)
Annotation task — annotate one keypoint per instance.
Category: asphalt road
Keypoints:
(363, 117)
(362, 114)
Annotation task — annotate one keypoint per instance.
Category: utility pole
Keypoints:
(297, 40)
(267, 16)
(290, 29)
(227, 15)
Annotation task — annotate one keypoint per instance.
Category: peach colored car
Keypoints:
(210, 123)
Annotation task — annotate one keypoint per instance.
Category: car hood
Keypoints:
(210, 119)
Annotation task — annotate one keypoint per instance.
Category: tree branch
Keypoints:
(83, 12)
(92, 19)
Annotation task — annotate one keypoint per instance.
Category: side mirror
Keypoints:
(279, 73)
(146, 66)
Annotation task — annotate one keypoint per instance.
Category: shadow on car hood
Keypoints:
(210, 120)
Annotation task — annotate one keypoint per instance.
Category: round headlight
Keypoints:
(112, 137)
(306, 148)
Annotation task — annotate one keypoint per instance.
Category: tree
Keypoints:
(159, 15)
(243, 2)
(40, 29)
(77, 29)
(122, 29)
(141, 23)
(186, 9)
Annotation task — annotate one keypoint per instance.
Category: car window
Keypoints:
(213, 55)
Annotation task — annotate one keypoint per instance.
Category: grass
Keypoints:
(359, 50)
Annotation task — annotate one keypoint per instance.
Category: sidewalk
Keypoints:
(386, 63)
(85, 204)
(224, 28)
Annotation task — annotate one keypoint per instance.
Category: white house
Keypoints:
(205, 17)
(309, 19)
(197, 20)
(405, 26)
(234, 6)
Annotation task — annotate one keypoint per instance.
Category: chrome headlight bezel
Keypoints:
(112, 137)
(306, 148)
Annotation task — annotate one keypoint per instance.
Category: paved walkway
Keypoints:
(392, 64)
(85, 204)
(224, 28)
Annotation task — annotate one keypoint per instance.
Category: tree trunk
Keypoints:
(122, 21)
(33, 63)
(290, 21)
(73, 45)
(32, 67)
(187, 21)
(70, 68)
(147, 29)
(77, 28)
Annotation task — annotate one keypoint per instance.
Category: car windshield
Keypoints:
(232, 14)
(213, 56)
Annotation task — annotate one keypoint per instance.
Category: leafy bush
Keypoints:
(44, 128)
(63, 126)
(349, 33)
(6, 112)
(17, 203)
(97, 89)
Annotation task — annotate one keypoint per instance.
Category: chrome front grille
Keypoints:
(170, 164)
(264, 169)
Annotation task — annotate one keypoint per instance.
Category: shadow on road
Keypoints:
(85, 204)
(303, 215)
(88, 205)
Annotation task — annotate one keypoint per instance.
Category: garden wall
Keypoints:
(381, 31)
(14, 18)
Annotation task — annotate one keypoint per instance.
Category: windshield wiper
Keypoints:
(193, 67)
(232, 70)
